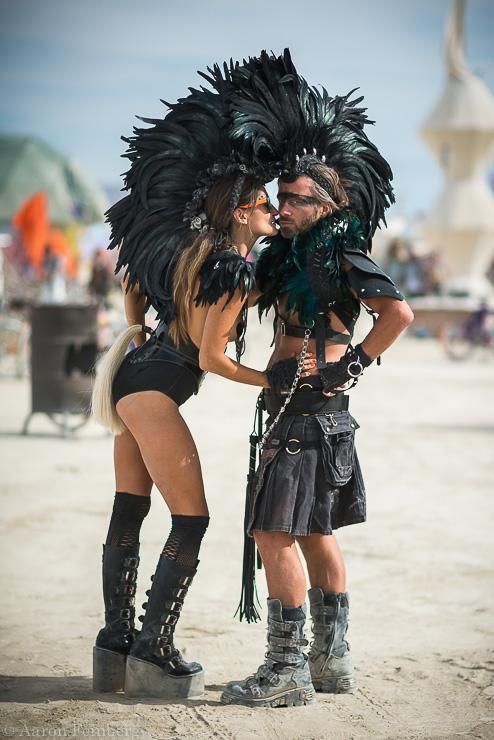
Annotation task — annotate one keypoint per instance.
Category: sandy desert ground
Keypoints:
(420, 570)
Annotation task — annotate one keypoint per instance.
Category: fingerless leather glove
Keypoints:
(349, 367)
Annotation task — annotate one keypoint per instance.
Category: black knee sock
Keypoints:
(292, 613)
(184, 541)
(127, 516)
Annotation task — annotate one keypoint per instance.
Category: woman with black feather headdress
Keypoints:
(192, 214)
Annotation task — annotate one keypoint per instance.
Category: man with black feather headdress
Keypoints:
(333, 189)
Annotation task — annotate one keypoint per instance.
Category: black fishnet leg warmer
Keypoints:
(184, 541)
(127, 516)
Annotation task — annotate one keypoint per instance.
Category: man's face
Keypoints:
(298, 209)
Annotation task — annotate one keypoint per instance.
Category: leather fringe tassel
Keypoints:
(247, 608)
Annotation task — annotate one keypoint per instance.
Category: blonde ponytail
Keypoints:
(102, 407)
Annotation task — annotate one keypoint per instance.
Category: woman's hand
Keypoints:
(282, 374)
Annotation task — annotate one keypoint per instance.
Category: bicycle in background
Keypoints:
(14, 340)
(472, 337)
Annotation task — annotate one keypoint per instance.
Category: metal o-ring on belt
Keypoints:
(293, 445)
(293, 452)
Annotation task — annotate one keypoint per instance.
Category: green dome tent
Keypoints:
(28, 164)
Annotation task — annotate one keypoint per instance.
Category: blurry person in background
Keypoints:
(101, 278)
(414, 278)
(53, 285)
(436, 272)
(396, 259)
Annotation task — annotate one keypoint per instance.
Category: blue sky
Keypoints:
(76, 72)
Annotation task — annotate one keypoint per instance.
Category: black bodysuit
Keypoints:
(158, 365)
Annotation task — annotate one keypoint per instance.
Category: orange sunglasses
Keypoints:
(262, 200)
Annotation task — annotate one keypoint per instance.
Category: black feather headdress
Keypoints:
(173, 163)
(278, 119)
(261, 118)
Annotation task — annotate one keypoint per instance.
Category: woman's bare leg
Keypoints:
(167, 449)
(131, 475)
(170, 456)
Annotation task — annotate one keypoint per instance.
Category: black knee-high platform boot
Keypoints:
(120, 562)
(114, 641)
(155, 668)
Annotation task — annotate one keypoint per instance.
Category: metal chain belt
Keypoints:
(298, 373)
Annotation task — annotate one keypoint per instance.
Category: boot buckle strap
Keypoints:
(285, 641)
(165, 629)
(162, 640)
(185, 580)
(171, 619)
(125, 613)
(264, 672)
(131, 562)
(166, 651)
(289, 658)
(125, 589)
(281, 626)
(253, 686)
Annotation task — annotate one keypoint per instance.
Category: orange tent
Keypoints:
(33, 223)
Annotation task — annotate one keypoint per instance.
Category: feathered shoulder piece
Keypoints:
(269, 267)
(222, 274)
(308, 270)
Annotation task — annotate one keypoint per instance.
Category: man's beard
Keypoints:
(290, 230)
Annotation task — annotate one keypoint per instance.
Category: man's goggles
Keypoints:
(294, 200)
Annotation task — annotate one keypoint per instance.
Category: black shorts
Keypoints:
(309, 478)
(159, 366)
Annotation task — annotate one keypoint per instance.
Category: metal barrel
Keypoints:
(63, 357)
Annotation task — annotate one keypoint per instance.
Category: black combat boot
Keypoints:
(155, 668)
(283, 680)
(115, 639)
(330, 660)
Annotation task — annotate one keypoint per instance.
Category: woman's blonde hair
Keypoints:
(219, 217)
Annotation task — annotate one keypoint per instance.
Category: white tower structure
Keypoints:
(460, 132)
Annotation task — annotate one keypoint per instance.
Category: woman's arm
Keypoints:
(134, 305)
(220, 320)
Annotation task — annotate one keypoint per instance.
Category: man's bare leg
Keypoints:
(324, 562)
(284, 572)
(284, 677)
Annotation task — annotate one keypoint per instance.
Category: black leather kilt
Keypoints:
(309, 478)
